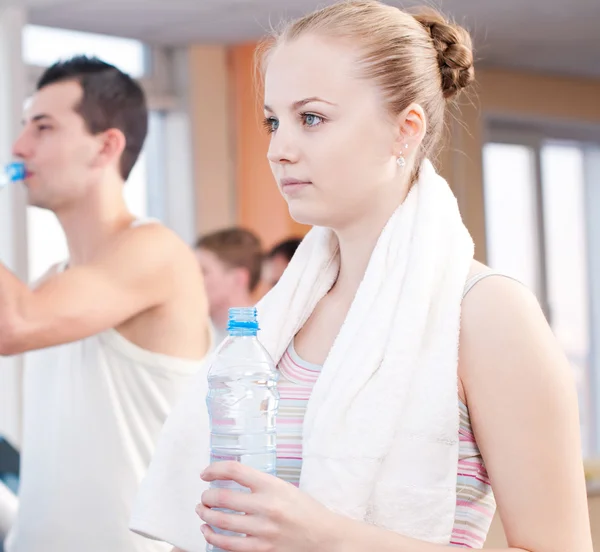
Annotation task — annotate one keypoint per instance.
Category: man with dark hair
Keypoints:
(277, 259)
(231, 263)
(110, 99)
(118, 329)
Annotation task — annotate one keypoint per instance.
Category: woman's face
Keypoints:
(334, 146)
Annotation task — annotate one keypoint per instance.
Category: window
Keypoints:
(511, 211)
(42, 46)
(538, 230)
(563, 195)
(46, 242)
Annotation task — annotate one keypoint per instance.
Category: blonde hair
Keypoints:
(421, 58)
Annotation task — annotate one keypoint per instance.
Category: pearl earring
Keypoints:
(401, 160)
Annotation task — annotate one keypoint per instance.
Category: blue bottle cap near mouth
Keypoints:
(15, 171)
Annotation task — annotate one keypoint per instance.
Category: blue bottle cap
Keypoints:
(243, 318)
(16, 171)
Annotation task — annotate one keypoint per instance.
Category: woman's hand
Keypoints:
(278, 516)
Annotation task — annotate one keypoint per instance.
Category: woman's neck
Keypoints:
(357, 243)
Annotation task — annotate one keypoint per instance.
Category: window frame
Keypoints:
(534, 134)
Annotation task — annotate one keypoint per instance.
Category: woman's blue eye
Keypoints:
(311, 120)
(271, 124)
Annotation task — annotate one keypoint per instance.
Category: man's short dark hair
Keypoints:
(237, 248)
(286, 249)
(111, 99)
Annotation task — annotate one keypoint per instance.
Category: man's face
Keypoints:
(59, 153)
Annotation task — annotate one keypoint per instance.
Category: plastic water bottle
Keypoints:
(242, 402)
(14, 172)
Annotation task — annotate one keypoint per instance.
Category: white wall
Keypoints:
(13, 236)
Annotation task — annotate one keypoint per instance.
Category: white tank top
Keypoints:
(93, 410)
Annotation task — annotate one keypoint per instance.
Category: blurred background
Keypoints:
(522, 153)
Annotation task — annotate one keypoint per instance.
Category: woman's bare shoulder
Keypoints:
(501, 322)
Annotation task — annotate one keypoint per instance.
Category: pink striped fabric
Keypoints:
(475, 504)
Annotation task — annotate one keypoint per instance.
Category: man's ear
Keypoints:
(111, 145)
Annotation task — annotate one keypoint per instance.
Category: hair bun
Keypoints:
(454, 49)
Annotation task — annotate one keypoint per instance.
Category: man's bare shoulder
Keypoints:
(152, 245)
(178, 325)
(142, 249)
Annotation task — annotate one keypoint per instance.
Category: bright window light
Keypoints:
(43, 46)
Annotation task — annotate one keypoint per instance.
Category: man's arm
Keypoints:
(134, 276)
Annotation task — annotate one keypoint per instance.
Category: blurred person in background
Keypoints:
(230, 260)
(277, 259)
(116, 330)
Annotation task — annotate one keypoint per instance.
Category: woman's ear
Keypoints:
(412, 127)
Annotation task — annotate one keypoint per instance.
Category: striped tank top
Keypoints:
(475, 503)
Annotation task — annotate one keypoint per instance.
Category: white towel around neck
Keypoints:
(380, 441)
(391, 375)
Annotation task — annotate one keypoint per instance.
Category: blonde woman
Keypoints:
(414, 380)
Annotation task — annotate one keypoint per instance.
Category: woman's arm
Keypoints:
(523, 407)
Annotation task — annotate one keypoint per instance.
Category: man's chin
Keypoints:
(33, 201)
